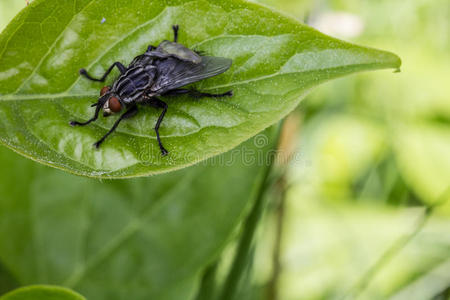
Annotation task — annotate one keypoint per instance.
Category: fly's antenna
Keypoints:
(101, 100)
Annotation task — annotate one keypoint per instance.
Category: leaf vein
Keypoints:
(57, 39)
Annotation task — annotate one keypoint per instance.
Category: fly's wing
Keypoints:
(179, 51)
(174, 73)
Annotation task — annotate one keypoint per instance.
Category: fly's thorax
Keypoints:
(133, 83)
(142, 60)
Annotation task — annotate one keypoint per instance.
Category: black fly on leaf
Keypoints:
(160, 71)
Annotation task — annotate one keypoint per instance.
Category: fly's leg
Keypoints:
(99, 105)
(197, 94)
(117, 64)
(175, 33)
(155, 102)
(132, 111)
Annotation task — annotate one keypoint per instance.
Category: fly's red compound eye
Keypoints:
(114, 104)
(104, 90)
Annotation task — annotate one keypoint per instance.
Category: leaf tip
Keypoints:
(394, 60)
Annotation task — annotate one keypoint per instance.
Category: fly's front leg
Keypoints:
(175, 33)
(99, 105)
(117, 64)
(197, 94)
(132, 111)
(155, 102)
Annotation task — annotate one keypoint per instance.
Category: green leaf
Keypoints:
(7, 281)
(422, 152)
(276, 61)
(42, 292)
(143, 238)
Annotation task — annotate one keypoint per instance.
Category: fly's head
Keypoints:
(112, 103)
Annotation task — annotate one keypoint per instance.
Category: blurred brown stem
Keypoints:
(286, 150)
(272, 289)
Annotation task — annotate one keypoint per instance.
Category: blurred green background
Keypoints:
(374, 152)
(366, 196)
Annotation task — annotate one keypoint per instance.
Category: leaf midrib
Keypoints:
(23, 97)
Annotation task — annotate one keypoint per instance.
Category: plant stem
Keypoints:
(230, 287)
(286, 148)
(208, 284)
(272, 289)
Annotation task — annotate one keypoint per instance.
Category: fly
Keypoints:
(160, 71)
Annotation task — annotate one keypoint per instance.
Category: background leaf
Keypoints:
(276, 60)
(422, 151)
(42, 292)
(146, 238)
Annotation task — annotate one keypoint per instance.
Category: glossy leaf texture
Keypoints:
(143, 238)
(42, 292)
(276, 61)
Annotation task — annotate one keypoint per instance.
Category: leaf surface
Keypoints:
(42, 292)
(142, 238)
(276, 61)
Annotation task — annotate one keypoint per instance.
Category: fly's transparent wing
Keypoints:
(175, 73)
(179, 51)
